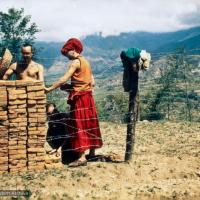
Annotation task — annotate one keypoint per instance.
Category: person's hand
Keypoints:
(58, 152)
(47, 90)
(66, 87)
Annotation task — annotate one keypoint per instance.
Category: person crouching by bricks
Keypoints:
(83, 125)
(57, 132)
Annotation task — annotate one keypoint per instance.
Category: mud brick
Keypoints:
(22, 124)
(41, 106)
(12, 107)
(35, 150)
(3, 118)
(3, 96)
(32, 128)
(3, 113)
(35, 88)
(32, 106)
(7, 83)
(3, 108)
(42, 128)
(41, 101)
(33, 115)
(17, 129)
(3, 160)
(35, 146)
(22, 142)
(41, 110)
(12, 143)
(3, 103)
(4, 123)
(42, 98)
(20, 115)
(3, 99)
(12, 111)
(15, 162)
(17, 102)
(37, 159)
(13, 138)
(28, 83)
(31, 102)
(16, 92)
(32, 110)
(18, 120)
(22, 138)
(3, 168)
(23, 132)
(3, 154)
(22, 96)
(21, 106)
(1, 87)
(31, 95)
(19, 147)
(13, 152)
(41, 123)
(18, 170)
(32, 155)
(18, 156)
(12, 116)
(37, 167)
(32, 136)
(4, 136)
(32, 120)
(16, 152)
(4, 150)
(12, 97)
(3, 128)
(3, 143)
(31, 141)
(42, 119)
(17, 166)
(41, 154)
(14, 125)
(40, 93)
(21, 110)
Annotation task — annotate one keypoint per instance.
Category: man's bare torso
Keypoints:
(27, 72)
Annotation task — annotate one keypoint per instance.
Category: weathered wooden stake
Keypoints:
(132, 117)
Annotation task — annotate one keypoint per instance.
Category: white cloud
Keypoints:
(61, 19)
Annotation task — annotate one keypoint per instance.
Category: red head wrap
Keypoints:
(72, 44)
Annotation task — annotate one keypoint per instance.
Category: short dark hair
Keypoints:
(28, 45)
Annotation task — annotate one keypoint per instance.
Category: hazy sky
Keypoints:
(61, 19)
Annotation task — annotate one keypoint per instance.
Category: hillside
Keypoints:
(165, 166)
(104, 52)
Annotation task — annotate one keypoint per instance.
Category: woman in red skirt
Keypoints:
(83, 125)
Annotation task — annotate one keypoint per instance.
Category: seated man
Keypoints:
(26, 69)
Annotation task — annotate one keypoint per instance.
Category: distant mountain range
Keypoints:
(104, 51)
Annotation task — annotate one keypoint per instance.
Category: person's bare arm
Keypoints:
(40, 73)
(10, 71)
(93, 81)
(72, 68)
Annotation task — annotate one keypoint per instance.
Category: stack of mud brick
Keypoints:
(22, 126)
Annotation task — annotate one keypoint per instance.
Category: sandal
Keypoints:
(78, 163)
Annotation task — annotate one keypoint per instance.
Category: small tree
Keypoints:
(15, 29)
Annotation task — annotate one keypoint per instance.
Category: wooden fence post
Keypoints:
(132, 116)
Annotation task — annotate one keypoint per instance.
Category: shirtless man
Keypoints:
(27, 69)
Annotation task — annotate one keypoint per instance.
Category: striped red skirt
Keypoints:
(83, 125)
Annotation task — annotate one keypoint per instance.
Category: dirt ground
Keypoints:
(165, 166)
